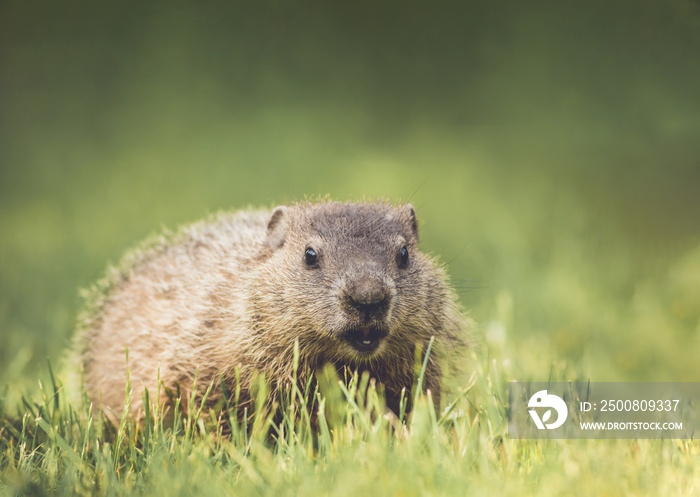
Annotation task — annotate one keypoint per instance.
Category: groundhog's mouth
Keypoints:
(364, 339)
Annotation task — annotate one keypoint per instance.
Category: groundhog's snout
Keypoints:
(369, 296)
(367, 300)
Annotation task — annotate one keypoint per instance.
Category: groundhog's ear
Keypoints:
(277, 227)
(408, 214)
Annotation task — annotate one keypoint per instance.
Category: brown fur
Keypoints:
(234, 292)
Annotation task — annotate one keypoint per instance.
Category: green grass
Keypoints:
(570, 296)
(48, 447)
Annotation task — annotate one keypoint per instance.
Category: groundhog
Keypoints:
(227, 298)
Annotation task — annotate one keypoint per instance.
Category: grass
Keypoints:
(51, 447)
(594, 308)
(572, 297)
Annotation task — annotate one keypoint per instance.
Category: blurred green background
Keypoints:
(552, 149)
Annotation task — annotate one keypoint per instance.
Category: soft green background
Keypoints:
(552, 150)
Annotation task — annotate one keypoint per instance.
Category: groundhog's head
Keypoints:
(347, 280)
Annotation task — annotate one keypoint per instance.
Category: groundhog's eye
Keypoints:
(310, 257)
(403, 257)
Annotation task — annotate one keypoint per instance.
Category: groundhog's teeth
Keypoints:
(366, 342)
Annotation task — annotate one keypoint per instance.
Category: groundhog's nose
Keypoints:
(368, 295)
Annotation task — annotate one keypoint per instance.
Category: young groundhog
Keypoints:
(227, 298)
